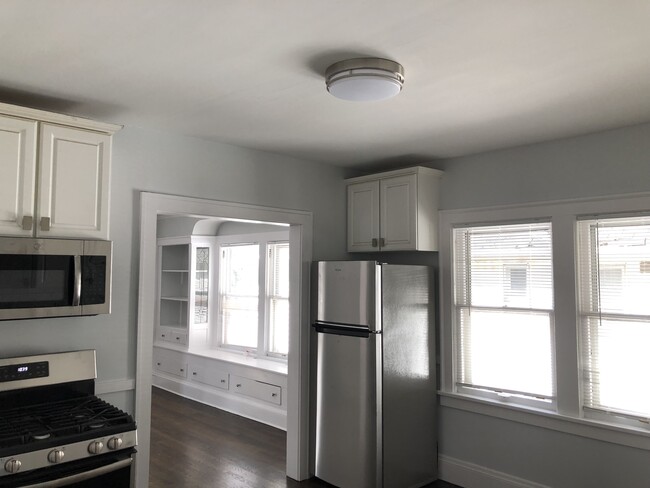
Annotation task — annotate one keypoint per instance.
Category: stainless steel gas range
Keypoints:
(54, 431)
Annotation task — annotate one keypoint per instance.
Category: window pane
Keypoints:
(278, 296)
(621, 366)
(279, 326)
(240, 295)
(504, 266)
(201, 285)
(507, 350)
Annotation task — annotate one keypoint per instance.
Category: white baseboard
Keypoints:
(233, 403)
(469, 475)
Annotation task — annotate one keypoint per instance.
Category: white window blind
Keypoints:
(503, 305)
(614, 301)
(278, 298)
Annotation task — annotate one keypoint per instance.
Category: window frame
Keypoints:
(568, 415)
(490, 391)
(262, 240)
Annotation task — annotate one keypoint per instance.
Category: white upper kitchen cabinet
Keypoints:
(54, 174)
(394, 211)
(17, 175)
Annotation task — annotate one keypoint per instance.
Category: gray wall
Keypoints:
(166, 163)
(607, 163)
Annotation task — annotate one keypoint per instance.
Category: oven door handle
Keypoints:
(86, 475)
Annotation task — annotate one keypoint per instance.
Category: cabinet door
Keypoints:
(17, 175)
(363, 216)
(398, 213)
(74, 183)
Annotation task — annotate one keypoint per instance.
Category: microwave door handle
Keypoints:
(76, 292)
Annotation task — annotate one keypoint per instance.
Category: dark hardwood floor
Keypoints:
(196, 446)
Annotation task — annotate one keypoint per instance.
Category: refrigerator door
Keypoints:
(348, 429)
(348, 293)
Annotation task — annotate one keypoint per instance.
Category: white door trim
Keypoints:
(300, 238)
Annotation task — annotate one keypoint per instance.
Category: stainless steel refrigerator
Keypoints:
(376, 378)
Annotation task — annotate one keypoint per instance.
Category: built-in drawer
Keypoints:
(209, 376)
(165, 362)
(256, 389)
(170, 335)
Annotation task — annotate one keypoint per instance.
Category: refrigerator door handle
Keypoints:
(343, 329)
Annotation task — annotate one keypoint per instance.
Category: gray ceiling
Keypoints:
(480, 74)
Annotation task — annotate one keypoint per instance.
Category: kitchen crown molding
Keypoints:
(59, 119)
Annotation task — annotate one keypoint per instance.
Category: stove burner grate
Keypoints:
(38, 423)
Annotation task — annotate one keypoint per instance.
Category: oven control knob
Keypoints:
(12, 466)
(55, 456)
(114, 443)
(95, 447)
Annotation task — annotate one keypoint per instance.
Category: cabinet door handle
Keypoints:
(382, 242)
(374, 242)
(27, 222)
(238, 386)
(45, 223)
(274, 394)
(223, 381)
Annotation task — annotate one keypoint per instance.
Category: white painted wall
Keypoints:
(608, 163)
(167, 163)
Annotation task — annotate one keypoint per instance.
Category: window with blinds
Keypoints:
(277, 296)
(614, 311)
(503, 305)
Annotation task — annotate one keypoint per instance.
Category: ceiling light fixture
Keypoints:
(364, 79)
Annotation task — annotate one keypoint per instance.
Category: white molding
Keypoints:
(469, 475)
(59, 119)
(239, 405)
(300, 238)
(592, 429)
(114, 386)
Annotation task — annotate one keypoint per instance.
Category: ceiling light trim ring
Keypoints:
(364, 79)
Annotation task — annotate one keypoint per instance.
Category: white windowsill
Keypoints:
(271, 365)
(608, 432)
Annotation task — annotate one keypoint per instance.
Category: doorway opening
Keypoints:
(299, 239)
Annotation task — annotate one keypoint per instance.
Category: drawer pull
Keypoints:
(157, 364)
(238, 385)
(274, 394)
(193, 373)
(182, 370)
(223, 381)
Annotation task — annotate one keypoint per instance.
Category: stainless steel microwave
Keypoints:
(54, 277)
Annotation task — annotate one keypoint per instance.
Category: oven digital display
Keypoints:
(16, 372)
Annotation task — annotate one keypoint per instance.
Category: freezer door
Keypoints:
(347, 293)
(348, 432)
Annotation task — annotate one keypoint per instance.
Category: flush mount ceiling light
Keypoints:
(364, 79)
